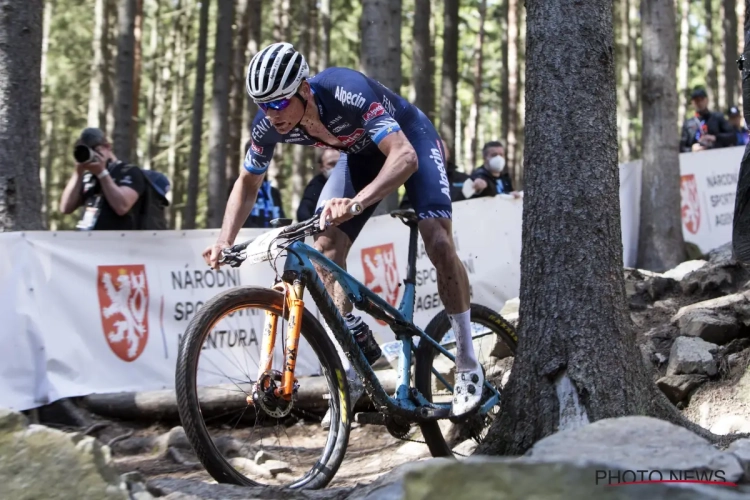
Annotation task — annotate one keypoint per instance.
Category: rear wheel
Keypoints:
(236, 422)
(495, 343)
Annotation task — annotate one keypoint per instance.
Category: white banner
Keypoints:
(99, 312)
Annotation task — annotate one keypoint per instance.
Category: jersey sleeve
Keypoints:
(355, 91)
(263, 142)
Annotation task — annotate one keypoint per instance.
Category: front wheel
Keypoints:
(495, 343)
(252, 445)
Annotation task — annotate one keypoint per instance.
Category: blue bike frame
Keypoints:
(299, 263)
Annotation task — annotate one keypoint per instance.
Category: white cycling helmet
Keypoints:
(275, 72)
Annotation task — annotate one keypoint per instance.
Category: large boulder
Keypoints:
(40, 462)
(712, 325)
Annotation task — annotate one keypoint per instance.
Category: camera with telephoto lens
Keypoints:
(84, 154)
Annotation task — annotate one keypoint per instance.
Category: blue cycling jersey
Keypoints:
(356, 109)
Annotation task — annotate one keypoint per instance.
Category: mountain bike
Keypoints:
(423, 389)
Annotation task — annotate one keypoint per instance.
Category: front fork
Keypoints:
(292, 300)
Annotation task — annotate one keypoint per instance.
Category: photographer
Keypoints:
(110, 191)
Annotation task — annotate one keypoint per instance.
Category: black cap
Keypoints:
(734, 111)
(92, 137)
(698, 93)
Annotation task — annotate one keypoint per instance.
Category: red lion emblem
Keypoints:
(691, 207)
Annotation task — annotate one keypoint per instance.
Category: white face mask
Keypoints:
(327, 172)
(496, 164)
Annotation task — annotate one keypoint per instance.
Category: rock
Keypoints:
(263, 456)
(175, 437)
(660, 358)
(691, 355)
(249, 467)
(40, 462)
(135, 446)
(733, 360)
(677, 387)
(682, 270)
(659, 286)
(670, 305)
(637, 443)
(510, 307)
(707, 279)
(727, 300)
(730, 424)
(710, 325)
(276, 467)
(192, 488)
(721, 256)
(12, 421)
(741, 450)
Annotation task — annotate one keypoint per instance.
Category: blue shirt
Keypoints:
(356, 109)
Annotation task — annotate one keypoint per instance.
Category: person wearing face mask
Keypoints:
(309, 201)
(492, 178)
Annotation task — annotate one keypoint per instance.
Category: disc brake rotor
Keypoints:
(264, 395)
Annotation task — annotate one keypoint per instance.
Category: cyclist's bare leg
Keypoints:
(334, 244)
(453, 285)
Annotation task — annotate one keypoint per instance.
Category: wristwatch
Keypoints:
(101, 175)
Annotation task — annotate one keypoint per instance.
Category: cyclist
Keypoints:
(385, 142)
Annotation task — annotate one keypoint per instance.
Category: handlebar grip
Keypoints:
(356, 208)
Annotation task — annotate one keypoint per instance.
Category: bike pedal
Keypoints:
(371, 418)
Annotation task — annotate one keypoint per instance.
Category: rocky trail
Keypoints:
(693, 326)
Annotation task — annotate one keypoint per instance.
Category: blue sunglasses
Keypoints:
(279, 104)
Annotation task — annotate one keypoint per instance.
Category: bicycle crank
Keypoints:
(264, 395)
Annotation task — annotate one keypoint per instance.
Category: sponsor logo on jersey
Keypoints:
(349, 97)
(350, 139)
(376, 109)
(294, 138)
(388, 106)
(437, 157)
(322, 145)
(340, 128)
(335, 120)
(260, 129)
(256, 149)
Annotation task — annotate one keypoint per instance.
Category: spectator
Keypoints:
(492, 178)
(706, 129)
(267, 205)
(326, 162)
(735, 120)
(456, 179)
(111, 191)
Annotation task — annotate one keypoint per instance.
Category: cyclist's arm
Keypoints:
(240, 204)
(400, 164)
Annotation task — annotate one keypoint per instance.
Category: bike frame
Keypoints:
(300, 273)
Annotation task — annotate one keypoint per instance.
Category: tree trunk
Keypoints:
(311, 26)
(740, 17)
(422, 59)
(299, 166)
(634, 76)
(511, 141)
(711, 75)
(96, 113)
(477, 104)
(124, 93)
(660, 243)
(191, 201)
(137, 63)
(237, 96)
(730, 51)
(155, 97)
(325, 34)
(219, 125)
(581, 363)
(110, 82)
(255, 10)
(179, 28)
(682, 74)
(521, 108)
(623, 111)
(721, 100)
(448, 96)
(20, 114)
(380, 26)
(276, 171)
(504, 74)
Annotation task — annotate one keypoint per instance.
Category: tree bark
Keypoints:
(20, 114)
(96, 112)
(191, 201)
(682, 78)
(380, 26)
(711, 74)
(634, 76)
(622, 63)
(325, 34)
(237, 96)
(124, 92)
(577, 360)
(477, 103)
(504, 74)
(422, 62)
(219, 124)
(511, 141)
(660, 243)
(730, 51)
(178, 84)
(299, 166)
(449, 77)
(255, 10)
(137, 63)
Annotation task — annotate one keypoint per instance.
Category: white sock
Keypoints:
(465, 358)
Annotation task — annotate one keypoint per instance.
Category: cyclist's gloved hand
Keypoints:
(338, 210)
